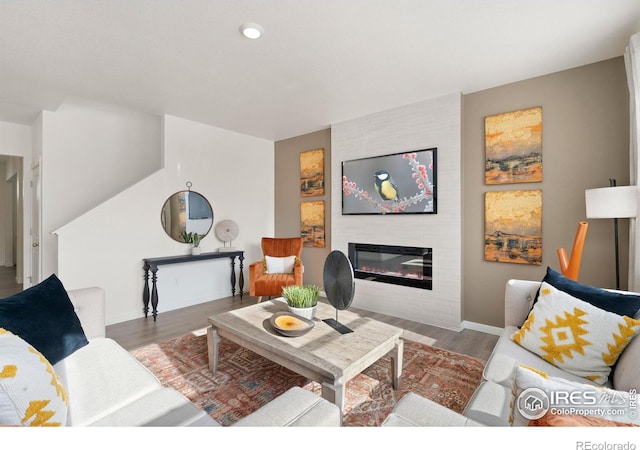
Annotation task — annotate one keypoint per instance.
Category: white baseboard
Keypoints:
(481, 327)
(464, 325)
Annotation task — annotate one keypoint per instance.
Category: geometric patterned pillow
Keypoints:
(575, 335)
(31, 393)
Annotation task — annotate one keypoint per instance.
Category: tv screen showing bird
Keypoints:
(399, 183)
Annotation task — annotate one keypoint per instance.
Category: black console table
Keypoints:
(151, 264)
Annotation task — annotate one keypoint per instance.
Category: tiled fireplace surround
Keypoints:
(431, 123)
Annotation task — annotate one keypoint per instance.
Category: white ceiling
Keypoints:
(319, 61)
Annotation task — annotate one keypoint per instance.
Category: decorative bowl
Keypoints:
(290, 325)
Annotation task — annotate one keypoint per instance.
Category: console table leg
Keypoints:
(396, 363)
(154, 291)
(145, 292)
(233, 276)
(241, 258)
(213, 342)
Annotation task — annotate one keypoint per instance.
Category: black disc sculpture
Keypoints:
(338, 286)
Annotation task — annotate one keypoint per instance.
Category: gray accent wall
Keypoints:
(288, 198)
(585, 141)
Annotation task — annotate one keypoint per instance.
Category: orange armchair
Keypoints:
(261, 282)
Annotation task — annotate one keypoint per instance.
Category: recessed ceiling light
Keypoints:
(251, 30)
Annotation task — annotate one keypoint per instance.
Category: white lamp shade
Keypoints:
(612, 202)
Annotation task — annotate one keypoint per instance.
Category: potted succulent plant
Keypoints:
(302, 300)
(192, 238)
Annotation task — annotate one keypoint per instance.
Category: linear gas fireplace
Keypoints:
(406, 266)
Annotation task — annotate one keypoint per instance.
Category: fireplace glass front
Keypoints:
(406, 266)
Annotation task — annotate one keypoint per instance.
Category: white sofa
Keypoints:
(491, 402)
(107, 386)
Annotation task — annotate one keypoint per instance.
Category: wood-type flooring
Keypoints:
(139, 332)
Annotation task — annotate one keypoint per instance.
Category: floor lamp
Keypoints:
(613, 202)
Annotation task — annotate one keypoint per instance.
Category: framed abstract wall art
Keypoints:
(513, 227)
(312, 223)
(513, 147)
(312, 173)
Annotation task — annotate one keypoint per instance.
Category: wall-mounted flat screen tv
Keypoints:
(399, 183)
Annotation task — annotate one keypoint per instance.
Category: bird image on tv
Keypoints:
(400, 183)
(386, 185)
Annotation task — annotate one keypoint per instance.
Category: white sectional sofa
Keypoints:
(107, 386)
(492, 402)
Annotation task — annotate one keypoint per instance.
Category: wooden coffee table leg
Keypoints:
(213, 341)
(396, 363)
(333, 393)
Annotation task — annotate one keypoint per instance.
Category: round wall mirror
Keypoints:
(186, 211)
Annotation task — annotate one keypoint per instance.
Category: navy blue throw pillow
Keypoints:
(43, 316)
(615, 302)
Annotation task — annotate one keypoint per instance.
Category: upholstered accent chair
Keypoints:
(280, 266)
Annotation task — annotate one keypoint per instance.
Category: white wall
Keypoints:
(431, 123)
(90, 152)
(106, 247)
(15, 140)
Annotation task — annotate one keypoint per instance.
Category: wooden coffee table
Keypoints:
(322, 355)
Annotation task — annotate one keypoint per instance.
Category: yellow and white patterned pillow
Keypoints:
(535, 394)
(575, 335)
(31, 393)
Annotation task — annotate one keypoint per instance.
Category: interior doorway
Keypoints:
(12, 217)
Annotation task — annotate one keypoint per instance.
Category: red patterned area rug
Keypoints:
(245, 381)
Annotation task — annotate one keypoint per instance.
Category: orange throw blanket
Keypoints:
(574, 420)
